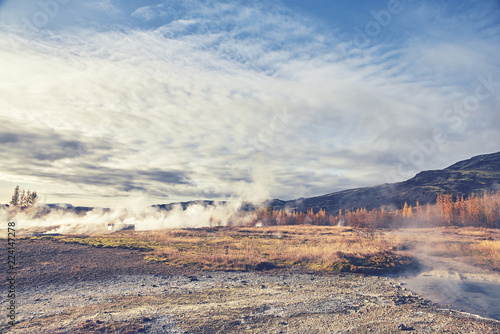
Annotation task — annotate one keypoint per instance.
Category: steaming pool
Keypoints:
(477, 297)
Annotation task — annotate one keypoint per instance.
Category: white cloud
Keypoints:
(189, 109)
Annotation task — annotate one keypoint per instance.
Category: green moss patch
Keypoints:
(376, 264)
(104, 242)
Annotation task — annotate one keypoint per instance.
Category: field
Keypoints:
(289, 279)
(319, 248)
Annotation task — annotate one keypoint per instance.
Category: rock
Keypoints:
(403, 327)
(265, 266)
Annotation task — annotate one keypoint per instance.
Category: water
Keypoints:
(449, 288)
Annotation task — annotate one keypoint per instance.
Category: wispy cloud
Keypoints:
(200, 99)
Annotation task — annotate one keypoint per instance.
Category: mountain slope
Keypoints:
(486, 162)
(475, 175)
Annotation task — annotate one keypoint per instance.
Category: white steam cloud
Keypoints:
(132, 215)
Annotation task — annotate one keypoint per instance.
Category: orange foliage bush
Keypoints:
(475, 210)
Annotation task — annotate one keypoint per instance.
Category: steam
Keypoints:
(134, 214)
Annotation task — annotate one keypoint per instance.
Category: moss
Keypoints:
(377, 264)
(37, 238)
(105, 242)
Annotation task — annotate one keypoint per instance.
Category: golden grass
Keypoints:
(479, 246)
(247, 248)
(446, 248)
(474, 232)
(487, 251)
(321, 248)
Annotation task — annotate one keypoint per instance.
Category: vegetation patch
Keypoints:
(486, 251)
(105, 242)
(318, 248)
(477, 246)
(375, 264)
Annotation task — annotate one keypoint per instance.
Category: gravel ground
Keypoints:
(78, 289)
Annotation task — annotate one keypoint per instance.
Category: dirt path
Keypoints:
(66, 288)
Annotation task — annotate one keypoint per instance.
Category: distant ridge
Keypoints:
(475, 175)
(486, 162)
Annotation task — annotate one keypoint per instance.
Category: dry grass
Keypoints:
(436, 247)
(244, 248)
(250, 248)
(321, 248)
(479, 246)
(488, 252)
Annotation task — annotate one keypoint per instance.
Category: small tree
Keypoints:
(32, 198)
(23, 200)
(407, 211)
(15, 198)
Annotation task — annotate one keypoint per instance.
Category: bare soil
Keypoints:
(69, 288)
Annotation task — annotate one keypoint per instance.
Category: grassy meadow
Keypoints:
(316, 248)
(322, 249)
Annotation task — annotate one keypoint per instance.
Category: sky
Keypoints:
(107, 100)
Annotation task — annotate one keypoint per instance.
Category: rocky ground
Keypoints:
(67, 288)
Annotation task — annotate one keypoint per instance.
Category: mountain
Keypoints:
(476, 175)
(185, 205)
(246, 206)
(486, 162)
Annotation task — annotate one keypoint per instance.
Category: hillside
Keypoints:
(475, 175)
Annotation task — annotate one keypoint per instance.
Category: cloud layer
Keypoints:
(204, 99)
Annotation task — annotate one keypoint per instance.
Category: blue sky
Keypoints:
(104, 100)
